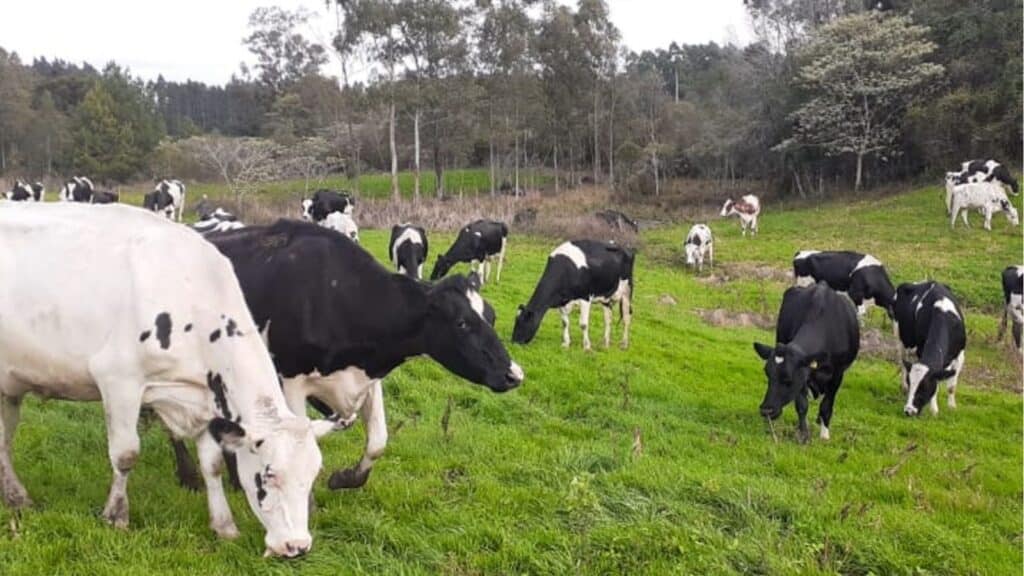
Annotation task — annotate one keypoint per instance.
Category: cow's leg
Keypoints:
(711, 255)
(801, 404)
(988, 218)
(184, 468)
(1002, 324)
(121, 405)
(1017, 335)
(501, 259)
(825, 410)
(585, 322)
(607, 324)
(953, 380)
(372, 413)
(565, 310)
(963, 216)
(15, 494)
(211, 462)
(626, 313)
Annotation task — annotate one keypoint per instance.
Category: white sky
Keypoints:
(202, 39)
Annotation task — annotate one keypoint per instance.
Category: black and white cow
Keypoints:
(617, 220)
(817, 338)
(336, 323)
(581, 272)
(167, 198)
(699, 245)
(171, 333)
(1013, 305)
(217, 220)
(930, 325)
(988, 197)
(342, 223)
(78, 189)
(984, 171)
(748, 208)
(860, 276)
(408, 249)
(324, 202)
(25, 192)
(104, 197)
(478, 243)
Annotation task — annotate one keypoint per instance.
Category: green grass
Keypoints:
(543, 479)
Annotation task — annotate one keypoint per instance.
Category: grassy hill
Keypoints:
(545, 479)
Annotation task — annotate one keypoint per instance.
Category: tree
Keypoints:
(861, 73)
(283, 55)
(15, 111)
(103, 146)
(241, 162)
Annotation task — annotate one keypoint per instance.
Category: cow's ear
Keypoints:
(474, 280)
(763, 350)
(230, 435)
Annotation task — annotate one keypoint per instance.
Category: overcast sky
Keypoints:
(202, 39)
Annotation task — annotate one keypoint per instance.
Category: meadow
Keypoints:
(652, 460)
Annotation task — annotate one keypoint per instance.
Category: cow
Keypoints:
(581, 272)
(974, 171)
(748, 208)
(860, 276)
(104, 197)
(617, 220)
(930, 325)
(988, 197)
(324, 202)
(172, 334)
(167, 198)
(217, 220)
(699, 244)
(337, 322)
(1013, 306)
(25, 192)
(342, 223)
(408, 249)
(78, 189)
(478, 243)
(817, 338)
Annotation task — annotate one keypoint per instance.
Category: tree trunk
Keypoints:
(597, 146)
(515, 189)
(654, 164)
(572, 166)
(675, 74)
(438, 166)
(416, 155)
(556, 167)
(860, 170)
(490, 146)
(611, 135)
(394, 152)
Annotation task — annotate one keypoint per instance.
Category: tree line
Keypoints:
(830, 94)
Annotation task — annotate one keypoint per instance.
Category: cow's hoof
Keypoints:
(803, 436)
(348, 478)
(910, 411)
(16, 497)
(190, 481)
(225, 530)
(116, 513)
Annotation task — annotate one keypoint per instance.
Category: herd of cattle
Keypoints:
(228, 336)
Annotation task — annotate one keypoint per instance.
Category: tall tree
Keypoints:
(283, 54)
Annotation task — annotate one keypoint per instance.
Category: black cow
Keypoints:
(104, 197)
(25, 192)
(1013, 305)
(984, 171)
(617, 220)
(930, 325)
(860, 276)
(816, 340)
(78, 189)
(336, 323)
(580, 272)
(477, 243)
(408, 249)
(323, 202)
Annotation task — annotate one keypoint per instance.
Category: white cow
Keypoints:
(988, 197)
(89, 314)
(342, 222)
(748, 208)
(699, 244)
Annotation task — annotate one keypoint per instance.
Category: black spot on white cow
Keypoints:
(860, 276)
(984, 171)
(581, 272)
(324, 202)
(1013, 306)
(930, 325)
(817, 338)
(987, 197)
(167, 199)
(748, 208)
(77, 189)
(699, 245)
(478, 243)
(25, 192)
(408, 249)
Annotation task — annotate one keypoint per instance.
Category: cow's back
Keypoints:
(822, 310)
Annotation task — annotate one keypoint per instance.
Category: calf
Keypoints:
(988, 197)
(860, 276)
(25, 192)
(336, 323)
(984, 171)
(78, 189)
(748, 208)
(816, 340)
(324, 202)
(136, 331)
(617, 220)
(167, 198)
(581, 272)
(216, 220)
(478, 243)
(699, 245)
(930, 325)
(1013, 306)
(342, 223)
(104, 197)
(408, 249)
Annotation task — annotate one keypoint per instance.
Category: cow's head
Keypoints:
(921, 384)
(727, 207)
(441, 266)
(457, 334)
(788, 369)
(692, 251)
(278, 461)
(1011, 212)
(527, 324)
(307, 209)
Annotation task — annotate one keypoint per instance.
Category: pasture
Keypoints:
(652, 460)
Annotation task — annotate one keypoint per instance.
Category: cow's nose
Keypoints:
(909, 410)
(296, 548)
(769, 412)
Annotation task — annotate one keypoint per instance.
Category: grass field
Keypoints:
(545, 480)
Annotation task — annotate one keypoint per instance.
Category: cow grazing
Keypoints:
(816, 340)
(336, 323)
(217, 220)
(860, 276)
(1013, 310)
(478, 243)
(930, 325)
(987, 197)
(343, 224)
(171, 333)
(581, 272)
(974, 171)
(617, 220)
(324, 202)
(748, 208)
(408, 249)
(167, 198)
(104, 197)
(78, 189)
(699, 245)
(25, 192)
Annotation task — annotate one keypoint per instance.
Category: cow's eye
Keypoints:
(462, 324)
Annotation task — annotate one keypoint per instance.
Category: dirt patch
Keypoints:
(879, 344)
(666, 300)
(732, 319)
(745, 271)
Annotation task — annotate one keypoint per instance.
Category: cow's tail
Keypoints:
(630, 259)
